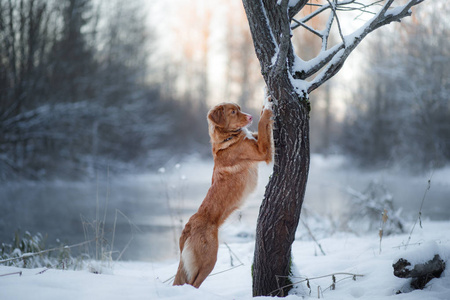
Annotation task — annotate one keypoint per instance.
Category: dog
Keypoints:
(236, 153)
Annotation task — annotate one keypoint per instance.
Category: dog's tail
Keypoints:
(188, 267)
(198, 258)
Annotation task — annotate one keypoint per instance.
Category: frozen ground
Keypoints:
(345, 253)
(159, 203)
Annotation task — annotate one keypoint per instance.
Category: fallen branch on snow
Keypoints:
(421, 274)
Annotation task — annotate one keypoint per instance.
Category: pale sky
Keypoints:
(173, 20)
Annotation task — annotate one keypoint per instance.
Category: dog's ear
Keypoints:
(217, 115)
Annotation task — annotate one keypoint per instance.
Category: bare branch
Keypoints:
(327, 29)
(333, 7)
(294, 9)
(360, 7)
(322, 8)
(339, 6)
(332, 62)
(312, 30)
(311, 15)
(396, 14)
(386, 6)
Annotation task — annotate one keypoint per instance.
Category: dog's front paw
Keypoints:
(268, 102)
(267, 112)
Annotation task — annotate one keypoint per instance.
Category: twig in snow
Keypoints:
(132, 225)
(27, 255)
(43, 271)
(400, 246)
(232, 267)
(10, 274)
(226, 270)
(384, 218)
(231, 255)
(217, 273)
(420, 211)
(169, 279)
(312, 236)
(308, 279)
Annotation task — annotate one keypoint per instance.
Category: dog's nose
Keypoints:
(250, 118)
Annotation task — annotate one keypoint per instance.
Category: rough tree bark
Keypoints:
(286, 79)
(280, 210)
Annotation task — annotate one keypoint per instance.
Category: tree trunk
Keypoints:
(269, 22)
(280, 210)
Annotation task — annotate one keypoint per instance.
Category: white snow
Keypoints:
(301, 86)
(395, 11)
(231, 278)
(267, 104)
(304, 66)
(344, 253)
(336, 58)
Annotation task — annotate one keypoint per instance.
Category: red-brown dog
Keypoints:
(236, 152)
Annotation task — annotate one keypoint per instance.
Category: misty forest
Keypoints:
(87, 86)
(105, 153)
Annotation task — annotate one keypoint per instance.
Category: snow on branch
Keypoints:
(330, 60)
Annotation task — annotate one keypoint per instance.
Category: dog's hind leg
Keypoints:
(181, 276)
(206, 254)
(204, 271)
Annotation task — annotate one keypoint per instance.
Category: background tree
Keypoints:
(400, 113)
(241, 75)
(290, 81)
(75, 94)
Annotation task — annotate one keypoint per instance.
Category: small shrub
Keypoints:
(29, 251)
(367, 209)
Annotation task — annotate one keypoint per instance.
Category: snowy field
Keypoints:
(345, 253)
(179, 189)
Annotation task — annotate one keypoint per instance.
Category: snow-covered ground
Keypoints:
(345, 253)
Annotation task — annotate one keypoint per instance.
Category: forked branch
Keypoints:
(333, 7)
(330, 60)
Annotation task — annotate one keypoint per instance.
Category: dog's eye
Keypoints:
(233, 112)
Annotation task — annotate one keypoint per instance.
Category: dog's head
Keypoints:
(228, 116)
